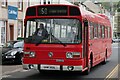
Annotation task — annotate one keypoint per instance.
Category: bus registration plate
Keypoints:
(50, 67)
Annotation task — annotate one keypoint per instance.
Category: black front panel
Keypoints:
(52, 11)
(74, 11)
(31, 11)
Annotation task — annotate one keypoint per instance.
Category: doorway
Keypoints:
(85, 42)
(11, 32)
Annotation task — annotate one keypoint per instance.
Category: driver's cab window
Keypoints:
(63, 31)
(31, 28)
(57, 30)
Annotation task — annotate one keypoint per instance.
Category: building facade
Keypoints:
(12, 14)
(116, 29)
(11, 20)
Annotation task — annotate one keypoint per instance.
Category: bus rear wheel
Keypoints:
(105, 59)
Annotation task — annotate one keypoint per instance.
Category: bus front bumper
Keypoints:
(52, 67)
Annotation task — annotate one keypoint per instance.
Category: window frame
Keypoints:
(20, 5)
(4, 3)
(5, 33)
(28, 3)
(21, 28)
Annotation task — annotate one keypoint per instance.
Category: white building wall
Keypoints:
(0, 22)
(61, 2)
(0, 10)
(4, 14)
(21, 14)
(0, 30)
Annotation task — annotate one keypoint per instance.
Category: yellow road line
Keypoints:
(112, 72)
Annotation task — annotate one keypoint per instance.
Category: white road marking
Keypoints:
(112, 72)
(5, 76)
(9, 72)
(24, 70)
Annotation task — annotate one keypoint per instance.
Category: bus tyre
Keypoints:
(18, 59)
(89, 68)
(105, 59)
(43, 72)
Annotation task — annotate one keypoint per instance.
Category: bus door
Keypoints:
(85, 43)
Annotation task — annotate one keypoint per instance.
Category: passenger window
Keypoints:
(109, 33)
(95, 31)
(103, 32)
(106, 32)
(91, 30)
(99, 31)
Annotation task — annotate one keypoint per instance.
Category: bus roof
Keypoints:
(99, 18)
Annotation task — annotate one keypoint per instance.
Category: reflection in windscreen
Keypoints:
(55, 31)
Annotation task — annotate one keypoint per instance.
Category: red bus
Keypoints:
(77, 39)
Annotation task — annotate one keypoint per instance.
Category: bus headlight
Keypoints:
(32, 54)
(75, 55)
(69, 55)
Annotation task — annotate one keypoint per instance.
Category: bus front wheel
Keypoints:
(89, 68)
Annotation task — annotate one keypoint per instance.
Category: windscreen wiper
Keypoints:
(59, 40)
(53, 37)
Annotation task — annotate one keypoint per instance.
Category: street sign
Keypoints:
(12, 12)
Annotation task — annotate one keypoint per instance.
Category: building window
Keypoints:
(28, 3)
(20, 5)
(4, 3)
(3, 31)
(20, 28)
(44, 2)
(49, 1)
(40, 1)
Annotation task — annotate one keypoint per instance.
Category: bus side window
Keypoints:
(91, 30)
(99, 31)
(106, 32)
(103, 32)
(95, 31)
(109, 33)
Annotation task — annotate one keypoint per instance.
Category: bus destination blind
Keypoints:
(52, 11)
